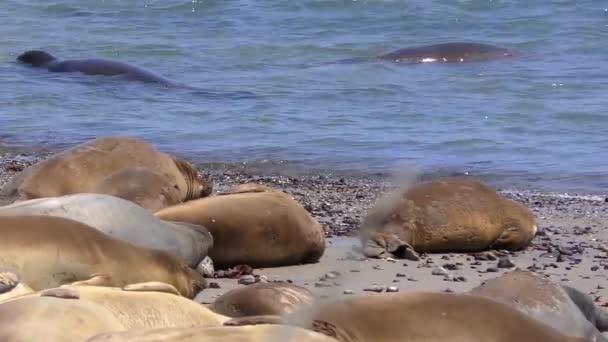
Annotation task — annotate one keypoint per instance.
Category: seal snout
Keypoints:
(36, 58)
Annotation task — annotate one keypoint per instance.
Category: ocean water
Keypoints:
(272, 94)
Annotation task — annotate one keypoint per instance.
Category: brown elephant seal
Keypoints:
(452, 52)
(141, 306)
(47, 251)
(446, 215)
(277, 298)
(53, 319)
(142, 186)
(123, 220)
(423, 316)
(259, 333)
(253, 225)
(545, 301)
(93, 161)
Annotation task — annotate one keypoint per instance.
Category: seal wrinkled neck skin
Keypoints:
(36, 58)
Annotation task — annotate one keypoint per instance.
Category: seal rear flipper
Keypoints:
(96, 280)
(254, 320)
(152, 286)
(380, 245)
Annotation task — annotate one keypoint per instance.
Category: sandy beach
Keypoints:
(570, 247)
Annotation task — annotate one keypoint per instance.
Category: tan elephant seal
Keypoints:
(258, 333)
(53, 319)
(423, 316)
(122, 220)
(141, 306)
(277, 298)
(11, 285)
(546, 301)
(253, 225)
(47, 251)
(446, 215)
(92, 162)
(142, 186)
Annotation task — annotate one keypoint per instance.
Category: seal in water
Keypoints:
(95, 66)
(448, 53)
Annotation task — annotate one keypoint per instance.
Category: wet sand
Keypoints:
(570, 248)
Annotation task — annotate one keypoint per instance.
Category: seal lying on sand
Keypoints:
(546, 301)
(140, 306)
(47, 251)
(448, 53)
(122, 220)
(142, 186)
(53, 319)
(254, 225)
(277, 298)
(91, 162)
(258, 333)
(446, 215)
(423, 316)
(105, 67)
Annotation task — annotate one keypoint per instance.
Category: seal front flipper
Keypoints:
(254, 320)
(152, 286)
(61, 292)
(381, 245)
(96, 280)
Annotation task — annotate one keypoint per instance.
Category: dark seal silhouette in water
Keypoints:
(453, 52)
(96, 66)
(108, 67)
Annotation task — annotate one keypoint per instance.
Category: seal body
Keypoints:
(122, 220)
(91, 162)
(422, 317)
(47, 252)
(276, 298)
(543, 300)
(257, 333)
(446, 215)
(53, 319)
(453, 52)
(253, 225)
(93, 66)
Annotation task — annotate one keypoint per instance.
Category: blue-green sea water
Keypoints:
(272, 92)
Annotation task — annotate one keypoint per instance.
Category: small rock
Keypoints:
(492, 269)
(460, 279)
(322, 284)
(374, 288)
(348, 292)
(247, 279)
(262, 279)
(392, 289)
(439, 271)
(214, 285)
(595, 268)
(400, 275)
(412, 279)
(505, 262)
(330, 275)
(451, 267)
(377, 267)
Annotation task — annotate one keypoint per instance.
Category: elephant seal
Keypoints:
(122, 220)
(141, 306)
(142, 186)
(95, 66)
(93, 161)
(545, 301)
(445, 215)
(259, 333)
(53, 319)
(422, 316)
(48, 251)
(277, 298)
(452, 52)
(253, 225)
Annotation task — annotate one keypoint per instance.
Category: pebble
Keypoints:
(247, 279)
(492, 269)
(439, 271)
(451, 267)
(322, 284)
(348, 292)
(214, 285)
(392, 289)
(595, 268)
(400, 275)
(505, 262)
(330, 275)
(374, 288)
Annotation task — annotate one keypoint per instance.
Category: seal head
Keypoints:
(36, 58)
